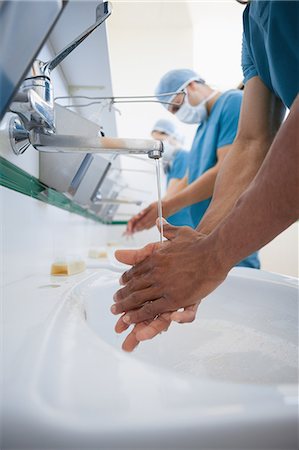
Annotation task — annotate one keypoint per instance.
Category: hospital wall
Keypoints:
(33, 234)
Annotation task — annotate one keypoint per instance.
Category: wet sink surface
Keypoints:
(245, 332)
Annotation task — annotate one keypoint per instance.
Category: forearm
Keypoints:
(175, 186)
(269, 205)
(260, 119)
(199, 190)
(237, 171)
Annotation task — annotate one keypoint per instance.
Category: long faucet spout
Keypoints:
(85, 144)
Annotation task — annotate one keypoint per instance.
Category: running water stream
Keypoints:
(158, 173)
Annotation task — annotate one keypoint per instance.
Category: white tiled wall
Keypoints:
(34, 234)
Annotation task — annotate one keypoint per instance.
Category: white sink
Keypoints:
(229, 380)
(245, 332)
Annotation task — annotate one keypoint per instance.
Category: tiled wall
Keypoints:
(34, 234)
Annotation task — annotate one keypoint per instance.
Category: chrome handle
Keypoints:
(103, 11)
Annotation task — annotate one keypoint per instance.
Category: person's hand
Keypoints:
(169, 276)
(150, 328)
(143, 220)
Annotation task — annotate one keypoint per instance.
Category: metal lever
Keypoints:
(103, 11)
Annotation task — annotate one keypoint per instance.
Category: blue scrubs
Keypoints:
(178, 169)
(271, 46)
(219, 130)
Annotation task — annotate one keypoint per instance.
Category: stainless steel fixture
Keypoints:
(34, 105)
(76, 174)
(117, 201)
(95, 144)
(24, 28)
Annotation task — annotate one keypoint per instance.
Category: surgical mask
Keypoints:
(169, 150)
(194, 114)
(168, 155)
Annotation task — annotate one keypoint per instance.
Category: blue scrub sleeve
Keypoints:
(248, 66)
(229, 120)
(179, 166)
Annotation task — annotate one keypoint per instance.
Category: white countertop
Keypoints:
(64, 385)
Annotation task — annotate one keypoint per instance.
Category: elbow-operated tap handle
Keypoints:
(103, 11)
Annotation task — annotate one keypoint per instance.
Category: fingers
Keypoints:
(131, 225)
(144, 331)
(169, 231)
(120, 325)
(136, 299)
(135, 285)
(140, 270)
(155, 327)
(132, 257)
(141, 220)
(131, 342)
(148, 311)
(148, 219)
(186, 316)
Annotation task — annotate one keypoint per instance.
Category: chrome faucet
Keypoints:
(96, 144)
(34, 105)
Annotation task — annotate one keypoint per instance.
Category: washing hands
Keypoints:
(148, 329)
(145, 219)
(165, 283)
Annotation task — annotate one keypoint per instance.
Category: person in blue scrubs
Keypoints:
(255, 196)
(217, 116)
(175, 165)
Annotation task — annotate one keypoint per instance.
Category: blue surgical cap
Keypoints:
(165, 126)
(175, 81)
(168, 127)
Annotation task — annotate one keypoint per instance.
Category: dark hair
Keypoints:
(243, 2)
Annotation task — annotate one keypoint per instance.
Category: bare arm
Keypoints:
(179, 195)
(189, 266)
(175, 186)
(261, 116)
(147, 217)
(270, 204)
(199, 190)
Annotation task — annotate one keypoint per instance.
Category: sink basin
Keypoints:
(226, 381)
(245, 332)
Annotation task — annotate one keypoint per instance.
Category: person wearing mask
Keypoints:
(217, 114)
(255, 196)
(175, 164)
